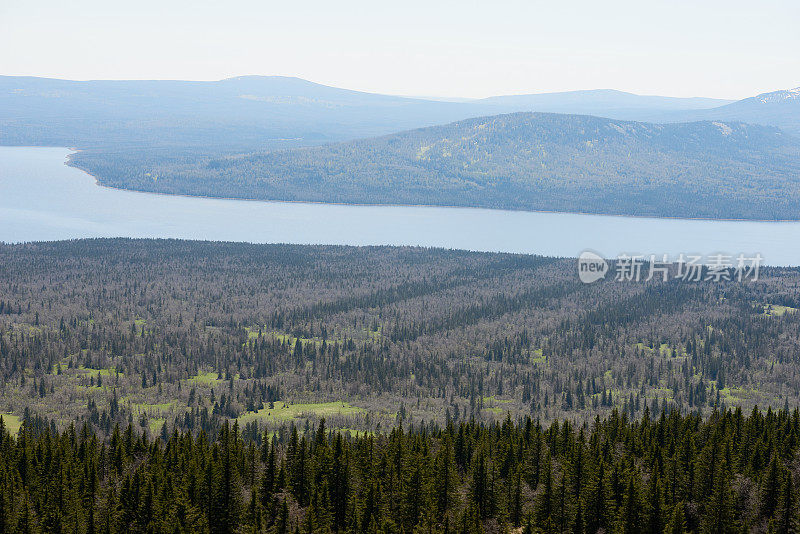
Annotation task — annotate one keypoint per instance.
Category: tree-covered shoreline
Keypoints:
(517, 161)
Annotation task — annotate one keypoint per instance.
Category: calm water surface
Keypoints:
(43, 199)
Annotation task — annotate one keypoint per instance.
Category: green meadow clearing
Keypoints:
(285, 412)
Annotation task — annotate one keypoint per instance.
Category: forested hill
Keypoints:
(526, 161)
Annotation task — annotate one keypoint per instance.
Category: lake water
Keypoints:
(43, 199)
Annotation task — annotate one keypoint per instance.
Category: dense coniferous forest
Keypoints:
(178, 386)
(670, 473)
(189, 335)
(525, 161)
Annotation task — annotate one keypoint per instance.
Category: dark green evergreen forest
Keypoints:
(178, 386)
(671, 473)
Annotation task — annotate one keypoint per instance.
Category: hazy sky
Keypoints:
(728, 49)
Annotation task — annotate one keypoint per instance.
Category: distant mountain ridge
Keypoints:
(248, 112)
(235, 113)
(776, 97)
(526, 161)
(600, 102)
(776, 108)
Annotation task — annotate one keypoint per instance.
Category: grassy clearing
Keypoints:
(357, 433)
(663, 349)
(659, 393)
(12, 423)
(537, 356)
(141, 324)
(94, 373)
(493, 405)
(374, 335)
(254, 331)
(155, 413)
(732, 395)
(283, 412)
(154, 425)
(776, 310)
(208, 378)
(291, 340)
(143, 407)
(495, 400)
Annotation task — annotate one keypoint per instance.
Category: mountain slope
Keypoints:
(601, 102)
(777, 108)
(528, 161)
(268, 112)
(242, 112)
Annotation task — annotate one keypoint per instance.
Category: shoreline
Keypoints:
(68, 162)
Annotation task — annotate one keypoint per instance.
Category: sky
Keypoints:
(725, 49)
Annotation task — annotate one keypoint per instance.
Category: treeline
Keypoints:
(524, 161)
(671, 473)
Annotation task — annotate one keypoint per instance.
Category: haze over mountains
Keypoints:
(225, 138)
(601, 102)
(237, 112)
(257, 111)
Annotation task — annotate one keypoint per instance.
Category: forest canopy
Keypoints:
(671, 473)
(178, 386)
(190, 335)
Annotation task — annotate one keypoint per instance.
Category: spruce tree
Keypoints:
(677, 521)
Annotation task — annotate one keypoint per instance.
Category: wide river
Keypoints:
(43, 199)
